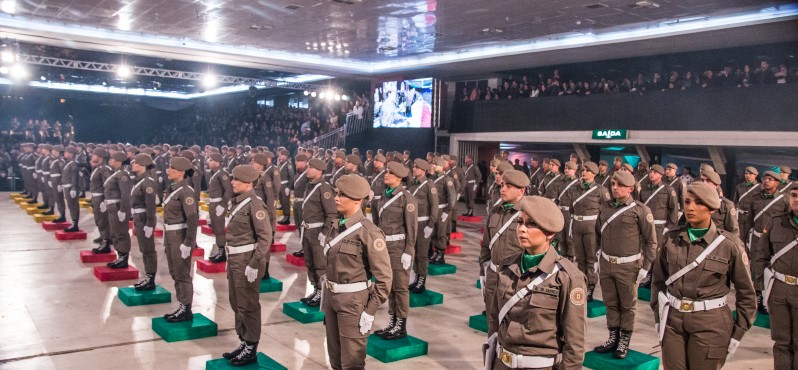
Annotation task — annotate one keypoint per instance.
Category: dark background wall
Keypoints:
(418, 140)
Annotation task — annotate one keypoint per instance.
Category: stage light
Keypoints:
(4, 70)
(123, 72)
(322, 95)
(344, 97)
(18, 71)
(7, 56)
(313, 94)
(209, 81)
(8, 6)
(337, 97)
(306, 93)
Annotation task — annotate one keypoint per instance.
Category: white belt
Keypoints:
(174, 227)
(564, 208)
(660, 222)
(442, 206)
(493, 266)
(423, 218)
(347, 288)
(56, 175)
(686, 305)
(45, 172)
(377, 197)
(136, 211)
(585, 218)
(786, 279)
(97, 194)
(619, 260)
(240, 249)
(394, 238)
(67, 186)
(758, 235)
(314, 225)
(471, 181)
(112, 201)
(299, 199)
(514, 361)
(284, 182)
(215, 200)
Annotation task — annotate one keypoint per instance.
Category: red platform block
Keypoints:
(63, 235)
(456, 235)
(453, 249)
(53, 226)
(294, 260)
(158, 233)
(282, 228)
(198, 252)
(207, 230)
(277, 247)
(209, 267)
(88, 256)
(130, 224)
(105, 273)
(203, 222)
(477, 219)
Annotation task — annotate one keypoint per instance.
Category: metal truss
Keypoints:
(163, 73)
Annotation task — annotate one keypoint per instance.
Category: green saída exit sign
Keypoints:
(609, 134)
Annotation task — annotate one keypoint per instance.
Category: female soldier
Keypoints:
(142, 198)
(180, 219)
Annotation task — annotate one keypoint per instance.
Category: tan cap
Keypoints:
(216, 157)
(438, 161)
(445, 157)
(571, 165)
(452, 157)
(494, 162)
(246, 173)
(340, 154)
(180, 163)
(284, 152)
(398, 169)
(119, 156)
(706, 167)
(712, 176)
(188, 154)
(555, 162)
(353, 159)
(785, 169)
(705, 193)
(752, 170)
(658, 169)
(268, 154)
(379, 158)
(100, 152)
(261, 158)
(592, 167)
(317, 164)
(603, 163)
(515, 178)
(422, 164)
(142, 159)
(353, 186)
(772, 174)
(58, 148)
(504, 167)
(71, 149)
(543, 212)
(624, 178)
(628, 167)
(301, 158)
(671, 165)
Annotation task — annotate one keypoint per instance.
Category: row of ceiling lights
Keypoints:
(326, 94)
(330, 46)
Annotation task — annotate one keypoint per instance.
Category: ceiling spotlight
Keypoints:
(346, 51)
(7, 56)
(43, 78)
(8, 6)
(323, 44)
(105, 83)
(18, 71)
(307, 43)
(209, 80)
(337, 97)
(338, 46)
(313, 94)
(123, 72)
(4, 70)
(344, 97)
(306, 93)
(321, 95)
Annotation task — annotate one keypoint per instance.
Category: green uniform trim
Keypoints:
(388, 192)
(529, 261)
(696, 234)
(508, 206)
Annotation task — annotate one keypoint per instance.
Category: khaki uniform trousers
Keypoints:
(346, 347)
(697, 340)
(179, 267)
(100, 218)
(245, 296)
(783, 304)
(619, 290)
(315, 260)
(146, 245)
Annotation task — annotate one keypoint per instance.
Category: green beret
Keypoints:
(752, 170)
(515, 178)
(216, 157)
(317, 164)
(712, 176)
(353, 159)
(624, 178)
(398, 169)
(592, 167)
(543, 212)
(180, 163)
(658, 169)
(705, 193)
(246, 173)
(353, 186)
(504, 167)
(422, 164)
(119, 156)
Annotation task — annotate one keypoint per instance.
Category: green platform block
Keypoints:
(302, 312)
(264, 363)
(443, 269)
(132, 297)
(428, 298)
(479, 284)
(762, 321)
(644, 294)
(633, 361)
(397, 349)
(596, 308)
(478, 322)
(271, 285)
(200, 327)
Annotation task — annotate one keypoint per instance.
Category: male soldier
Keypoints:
(692, 277)
(446, 202)
(426, 195)
(287, 174)
(369, 165)
(220, 191)
(626, 236)
(142, 200)
(472, 180)
(161, 160)
(491, 178)
(551, 316)
(558, 190)
(318, 218)
(762, 205)
(266, 189)
(406, 159)
(100, 172)
(352, 166)
(250, 237)
(54, 183)
(43, 170)
(272, 174)
(500, 245)
(300, 186)
(28, 163)
(662, 200)
(784, 172)
(458, 175)
(603, 177)
(338, 170)
(71, 186)
(537, 180)
(745, 188)
(356, 250)
(231, 160)
(117, 205)
(775, 264)
(399, 222)
(675, 182)
(196, 179)
(725, 217)
(330, 164)
(377, 186)
(584, 201)
(548, 189)
(642, 174)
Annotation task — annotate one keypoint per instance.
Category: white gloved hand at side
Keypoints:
(103, 207)
(287, 191)
(444, 216)
(251, 273)
(641, 275)
(219, 210)
(185, 251)
(121, 216)
(406, 261)
(733, 344)
(366, 321)
(148, 231)
(60, 188)
(427, 232)
(475, 188)
(73, 194)
(322, 238)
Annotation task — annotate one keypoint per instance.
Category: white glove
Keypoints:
(406, 261)
(641, 275)
(121, 216)
(219, 210)
(287, 191)
(73, 194)
(160, 179)
(251, 273)
(60, 188)
(185, 251)
(427, 232)
(475, 188)
(733, 344)
(322, 238)
(35, 175)
(103, 207)
(444, 216)
(50, 184)
(365, 322)
(148, 232)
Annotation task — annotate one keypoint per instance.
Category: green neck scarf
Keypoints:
(696, 234)
(529, 261)
(388, 192)
(586, 185)
(768, 196)
(342, 221)
(508, 206)
(749, 184)
(795, 219)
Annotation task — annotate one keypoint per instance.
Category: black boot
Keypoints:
(420, 286)
(235, 352)
(248, 355)
(147, 284)
(438, 258)
(183, 313)
(60, 219)
(623, 344)
(98, 240)
(299, 253)
(284, 221)
(219, 257)
(399, 330)
(104, 248)
(48, 213)
(611, 344)
(310, 297)
(45, 206)
(760, 305)
(32, 201)
(413, 284)
(434, 257)
(315, 301)
(266, 275)
(73, 228)
(119, 263)
(590, 290)
(391, 324)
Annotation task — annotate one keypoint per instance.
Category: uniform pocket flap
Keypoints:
(716, 266)
(348, 248)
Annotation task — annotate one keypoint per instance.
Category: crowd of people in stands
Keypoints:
(42, 131)
(539, 85)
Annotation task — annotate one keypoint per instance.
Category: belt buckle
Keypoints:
(506, 358)
(578, 218)
(686, 306)
(613, 259)
(330, 286)
(792, 280)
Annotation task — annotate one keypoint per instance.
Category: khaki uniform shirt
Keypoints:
(397, 218)
(182, 209)
(98, 176)
(664, 205)
(426, 195)
(251, 225)
(319, 205)
(779, 231)
(220, 186)
(117, 186)
(143, 196)
(629, 233)
(506, 248)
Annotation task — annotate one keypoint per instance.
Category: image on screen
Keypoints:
(403, 104)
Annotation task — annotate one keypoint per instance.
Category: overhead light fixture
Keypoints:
(313, 94)
(337, 97)
(344, 97)
(306, 93)
(209, 80)
(123, 72)
(322, 94)
(43, 78)
(7, 56)
(8, 6)
(19, 71)
(4, 70)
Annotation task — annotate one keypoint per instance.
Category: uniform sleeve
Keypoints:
(673, 210)
(380, 265)
(276, 181)
(192, 217)
(477, 174)
(432, 198)
(227, 190)
(746, 205)
(125, 186)
(451, 194)
(760, 255)
(291, 176)
(149, 190)
(411, 223)
(484, 250)
(328, 204)
(730, 221)
(745, 295)
(649, 235)
(659, 274)
(262, 230)
(573, 322)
